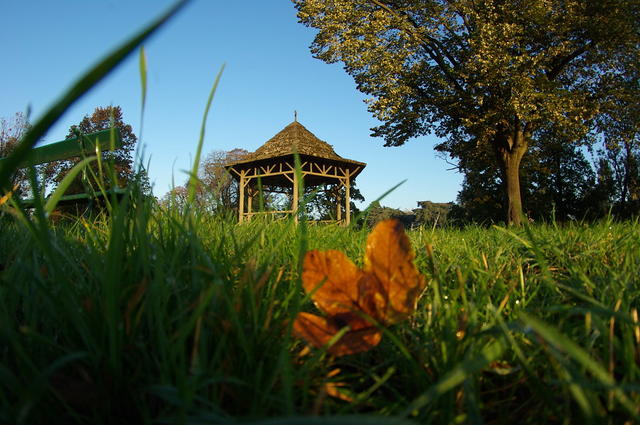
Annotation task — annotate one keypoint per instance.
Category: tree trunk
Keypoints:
(510, 147)
(629, 171)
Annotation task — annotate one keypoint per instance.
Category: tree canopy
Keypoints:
(619, 128)
(102, 118)
(217, 187)
(216, 190)
(481, 75)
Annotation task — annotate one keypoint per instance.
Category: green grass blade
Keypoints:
(193, 180)
(566, 345)
(142, 66)
(52, 202)
(458, 374)
(142, 61)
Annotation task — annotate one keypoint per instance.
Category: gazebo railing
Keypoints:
(247, 216)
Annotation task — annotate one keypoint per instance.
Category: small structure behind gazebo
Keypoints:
(272, 166)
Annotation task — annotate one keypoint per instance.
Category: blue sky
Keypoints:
(269, 74)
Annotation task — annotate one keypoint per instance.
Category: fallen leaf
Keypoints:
(332, 279)
(318, 331)
(384, 293)
(389, 258)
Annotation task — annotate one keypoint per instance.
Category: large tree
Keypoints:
(479, 73)
(121, 159)
(216, 184)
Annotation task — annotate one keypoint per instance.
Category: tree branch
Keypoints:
(434, 48)
(561, 63)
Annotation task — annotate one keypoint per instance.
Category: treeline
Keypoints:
(426, 214)
(559, 182)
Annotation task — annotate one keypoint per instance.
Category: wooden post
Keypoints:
(294, 201)
(249, 201)
(241, 197)
(347, 196)
(338, 202)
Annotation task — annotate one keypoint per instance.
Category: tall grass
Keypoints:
(149, 316)
(143, 314)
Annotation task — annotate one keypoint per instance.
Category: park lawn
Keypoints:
(143, 315)
(156, 316)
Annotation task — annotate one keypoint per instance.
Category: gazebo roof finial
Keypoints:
(295, 115)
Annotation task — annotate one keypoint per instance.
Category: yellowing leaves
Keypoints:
(357, 301)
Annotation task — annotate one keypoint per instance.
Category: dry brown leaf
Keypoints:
(332, 279)
(389, 258)
(318, 331)
(385, 292)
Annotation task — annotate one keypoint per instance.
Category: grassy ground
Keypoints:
(157, 317)
(144, 315)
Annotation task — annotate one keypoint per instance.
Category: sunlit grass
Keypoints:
(143, 314)
(150, 316)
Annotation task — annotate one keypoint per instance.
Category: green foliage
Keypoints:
(153, 315)
(148, 315)
(619, 128)
(558, 180)
(322, 201)
(120, 160)
(429, 214)
(377, 212)
(558, 183)
(485, 76)
(216, 190)
(435, 214)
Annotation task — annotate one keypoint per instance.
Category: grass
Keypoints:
(147, 315)
(152, 316)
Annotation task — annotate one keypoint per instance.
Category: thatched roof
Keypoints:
(295, 138)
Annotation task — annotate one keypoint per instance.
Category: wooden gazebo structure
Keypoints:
(273, 166)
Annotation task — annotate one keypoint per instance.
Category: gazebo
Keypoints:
(272, 167)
